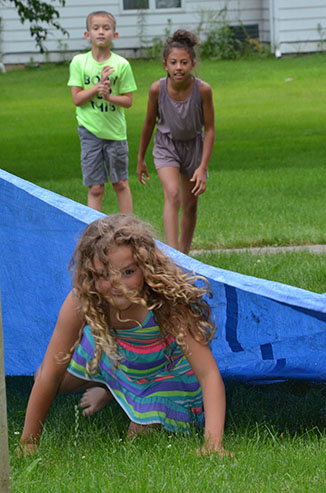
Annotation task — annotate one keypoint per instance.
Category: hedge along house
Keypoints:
(289, 26)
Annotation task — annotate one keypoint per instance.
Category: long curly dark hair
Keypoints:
(178, 304)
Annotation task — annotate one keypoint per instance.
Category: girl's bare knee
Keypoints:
(71, 384)
(172, 195)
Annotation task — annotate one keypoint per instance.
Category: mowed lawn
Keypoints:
(267, 172)
(266, 187)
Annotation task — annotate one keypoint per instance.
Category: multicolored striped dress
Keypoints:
(150, 387)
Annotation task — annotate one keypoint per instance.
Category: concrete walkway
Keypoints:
(318, 249)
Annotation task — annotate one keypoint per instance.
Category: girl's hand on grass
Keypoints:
(27, 449)
(210, 447)
(214, 446)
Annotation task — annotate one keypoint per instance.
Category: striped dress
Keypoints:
(149, 387)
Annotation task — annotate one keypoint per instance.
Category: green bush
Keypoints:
(220, 40)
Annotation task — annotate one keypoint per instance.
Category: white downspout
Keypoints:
(2, 67)
(274, 12)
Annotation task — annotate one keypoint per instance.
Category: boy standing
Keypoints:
(101, 84)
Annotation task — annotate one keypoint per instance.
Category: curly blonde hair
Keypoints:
(178, 304)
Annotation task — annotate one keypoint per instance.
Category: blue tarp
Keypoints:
(267, 331)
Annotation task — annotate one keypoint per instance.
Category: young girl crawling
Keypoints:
(135, 328)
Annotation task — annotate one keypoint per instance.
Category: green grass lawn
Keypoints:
(266, 187)
(267, 172)
(277, 434)
(303, 269)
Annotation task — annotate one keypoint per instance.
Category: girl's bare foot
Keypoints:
(94, 399)
(136, 429)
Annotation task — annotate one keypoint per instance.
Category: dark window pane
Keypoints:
(135, 4)
(168, 4)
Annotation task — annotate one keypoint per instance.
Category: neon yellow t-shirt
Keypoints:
(101, 118)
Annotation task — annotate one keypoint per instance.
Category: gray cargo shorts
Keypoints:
(102, 159)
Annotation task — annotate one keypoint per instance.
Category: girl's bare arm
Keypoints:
(209, 123)
(147, 131)
(51, 372)
(205, 368)
(199, 177)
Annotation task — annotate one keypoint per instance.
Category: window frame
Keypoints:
(152, 9)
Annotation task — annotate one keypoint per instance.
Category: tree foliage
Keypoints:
(39, 14)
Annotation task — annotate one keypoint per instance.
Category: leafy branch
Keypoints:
(37, 12)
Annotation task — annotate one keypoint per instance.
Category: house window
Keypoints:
(135, 4)
(151, 4)
(167, 4)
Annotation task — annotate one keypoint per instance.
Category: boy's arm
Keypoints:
(81, 96)
(199, 176)
(147, 131)
(124, 100)
(205, 368)
(51, 372)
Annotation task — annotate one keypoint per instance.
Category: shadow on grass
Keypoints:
(292, 407)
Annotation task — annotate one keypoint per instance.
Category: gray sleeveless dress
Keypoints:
(178, 140)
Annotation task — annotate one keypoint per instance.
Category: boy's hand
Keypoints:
(104, 86)
(106, 71)
(199, 177)
(142, 172)
(104, 89)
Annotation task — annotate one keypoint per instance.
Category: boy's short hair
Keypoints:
(103, 13)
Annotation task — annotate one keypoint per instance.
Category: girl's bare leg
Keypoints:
(169, 177)
(96, 395)
(94, 399)
(189, 204)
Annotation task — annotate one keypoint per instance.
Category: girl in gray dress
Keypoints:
(181, 106)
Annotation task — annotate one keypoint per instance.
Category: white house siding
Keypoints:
(17, 46)
(290, 24)
(264, 29)
(294, 26)
(189, 16)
